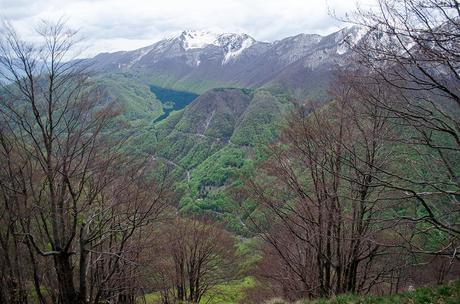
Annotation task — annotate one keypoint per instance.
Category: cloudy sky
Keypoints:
(111, 25)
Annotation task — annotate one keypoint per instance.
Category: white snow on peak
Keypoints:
(360, 32)
(139, 54)
(198, 39)
(349, 37)
(235, 50)
(232, 44)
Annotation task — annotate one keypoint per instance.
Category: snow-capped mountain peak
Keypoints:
(206, 52)
(232, 44)
(348, 37)
(198, 39)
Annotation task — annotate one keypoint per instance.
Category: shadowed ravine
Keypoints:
(172, 100)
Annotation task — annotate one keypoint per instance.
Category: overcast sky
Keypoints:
(111, 25)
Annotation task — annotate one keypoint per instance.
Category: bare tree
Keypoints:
(390, 140)
(68, 193)
(322, 207)
(411, 51)
(196, 257)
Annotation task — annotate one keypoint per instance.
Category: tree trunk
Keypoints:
(66, 285)
(83, 266)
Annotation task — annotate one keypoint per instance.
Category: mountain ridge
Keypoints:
(197, 61)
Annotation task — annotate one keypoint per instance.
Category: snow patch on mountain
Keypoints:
(139, 54)
(198, 39)
(349, 37)
(232, 44)
(235, 49)
(207, 50)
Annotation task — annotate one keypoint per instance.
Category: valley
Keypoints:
(172, 100)
(214, 167)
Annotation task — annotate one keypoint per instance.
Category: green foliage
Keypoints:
(233, 292)
(211, 143)
(169, 80)
(207, 191)
(261, 119)
(215, 114)
(135, 98)
(229, 293)
(218, 168)
(138, 108)
(447, 294)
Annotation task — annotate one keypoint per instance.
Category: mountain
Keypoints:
(201, 103)
(197, 61)
(210, 142)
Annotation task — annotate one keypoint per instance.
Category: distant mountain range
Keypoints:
(197, 61)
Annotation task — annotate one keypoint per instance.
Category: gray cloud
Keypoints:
(111, 25)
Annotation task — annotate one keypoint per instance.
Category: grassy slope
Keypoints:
(446, 294)
(229, 293)
(233, 293)
(186, 83)
(135, 98)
